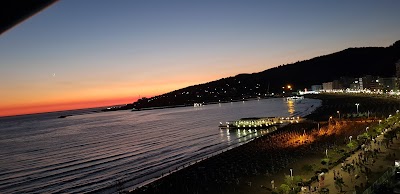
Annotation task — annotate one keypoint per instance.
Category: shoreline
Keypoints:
(131, 184)
(157, 185)
(184, 165)
(128, 107)
(180, 167)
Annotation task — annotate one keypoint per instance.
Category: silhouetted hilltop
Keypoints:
(351, 62)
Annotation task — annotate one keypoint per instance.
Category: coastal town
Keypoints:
(365, 84)
(340, 147)
(349, 144)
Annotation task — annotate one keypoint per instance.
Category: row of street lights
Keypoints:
(366, 129)
(358, 104)
(338, 112)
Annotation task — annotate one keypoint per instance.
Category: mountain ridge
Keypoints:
(350, 62)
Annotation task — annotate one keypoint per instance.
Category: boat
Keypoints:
(294, 98)
(198, 104)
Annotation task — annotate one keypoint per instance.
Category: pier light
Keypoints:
(357, 104)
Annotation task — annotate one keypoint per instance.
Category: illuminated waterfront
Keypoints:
(82, 153)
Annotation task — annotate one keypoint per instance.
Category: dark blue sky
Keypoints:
(117, 49)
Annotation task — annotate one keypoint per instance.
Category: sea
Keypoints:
(105, 152)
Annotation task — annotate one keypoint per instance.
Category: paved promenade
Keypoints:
(368, 167)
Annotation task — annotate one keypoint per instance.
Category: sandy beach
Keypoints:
(297, 150)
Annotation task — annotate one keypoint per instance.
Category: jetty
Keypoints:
(258, 123)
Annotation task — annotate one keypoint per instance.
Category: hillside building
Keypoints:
(316, 88)
(387, 84)
(398, 68)
(398, 74)
(327, 86)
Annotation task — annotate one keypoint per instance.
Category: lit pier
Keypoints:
(258, 123)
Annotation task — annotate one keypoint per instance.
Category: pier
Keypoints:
(258, 123)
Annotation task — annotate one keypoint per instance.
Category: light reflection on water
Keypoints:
(291, 107)
(83, 153)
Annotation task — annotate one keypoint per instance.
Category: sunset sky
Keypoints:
(79, 54)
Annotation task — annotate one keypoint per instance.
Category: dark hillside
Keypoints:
(351, 62)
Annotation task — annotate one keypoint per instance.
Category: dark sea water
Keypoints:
(91, 153)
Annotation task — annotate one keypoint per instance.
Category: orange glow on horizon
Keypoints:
(36, 108)
(40, 98)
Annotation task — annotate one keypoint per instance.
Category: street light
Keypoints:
(338, 113)
(366, 129)
(357, 104)
(350, 138)
(380, 121)
(291, 173)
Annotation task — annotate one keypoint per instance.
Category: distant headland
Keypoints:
(351, 62)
